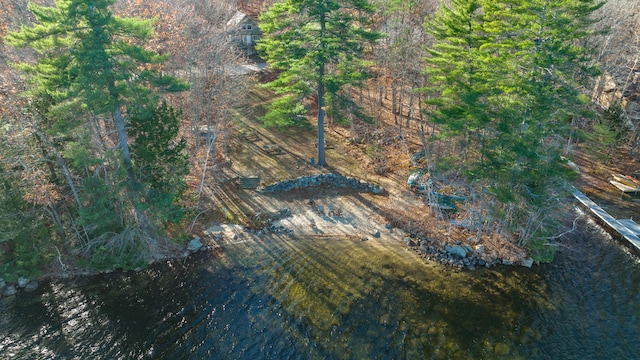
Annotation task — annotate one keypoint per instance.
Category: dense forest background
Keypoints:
(39, 170)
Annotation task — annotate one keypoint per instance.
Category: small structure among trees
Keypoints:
(247, 31)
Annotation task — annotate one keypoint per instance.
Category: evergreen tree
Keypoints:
(504, 78)
(92, 63)
(318, 47)
(23, 235)
(90, 59)
(160, 160)
(506, 75)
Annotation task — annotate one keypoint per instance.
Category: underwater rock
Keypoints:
(501, 349)
(9, 291)
(31, 286)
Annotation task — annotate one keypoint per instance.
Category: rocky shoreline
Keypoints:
(23, 284)
(461, 256)
(334, 216)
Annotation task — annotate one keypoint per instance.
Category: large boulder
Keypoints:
(414, 179)
(457, 251)
(195, 245)
(9, 291)
(22, 282)
(527, 263)
(407, 241)
(31, 286)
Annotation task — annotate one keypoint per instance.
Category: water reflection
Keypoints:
(596, 288)
(322, 298)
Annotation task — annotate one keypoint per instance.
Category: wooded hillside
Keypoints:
(462, 94)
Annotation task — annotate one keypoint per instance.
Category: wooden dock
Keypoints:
(627, 228)
(625, 183)
(631, 225)
(625, 188)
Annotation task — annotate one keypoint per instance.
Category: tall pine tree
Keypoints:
(318, 48)
(92, 63)
(504, 78)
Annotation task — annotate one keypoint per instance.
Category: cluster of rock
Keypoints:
(336, 180)
(263, 223)
(459, 255)
(9, 289)
(272, 229)
(265, 219)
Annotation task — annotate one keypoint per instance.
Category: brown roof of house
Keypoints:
(238, 18)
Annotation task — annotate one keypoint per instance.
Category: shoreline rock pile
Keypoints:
(10, 289)
(460, 255)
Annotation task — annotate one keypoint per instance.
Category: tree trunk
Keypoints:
(393, 103)
(380, 97)
(63, 166)
(132, 183)
(410, 111)
(123, 141)
(211, 144)
(321, 159)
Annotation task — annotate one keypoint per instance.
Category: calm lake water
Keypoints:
(322, 298)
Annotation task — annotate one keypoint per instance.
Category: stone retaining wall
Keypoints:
(336, 180)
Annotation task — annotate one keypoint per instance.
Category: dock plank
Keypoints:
(618, 226)
(627, 180)
(631, 225)
(624, 188)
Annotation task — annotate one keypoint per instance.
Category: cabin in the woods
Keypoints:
(246, 30)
